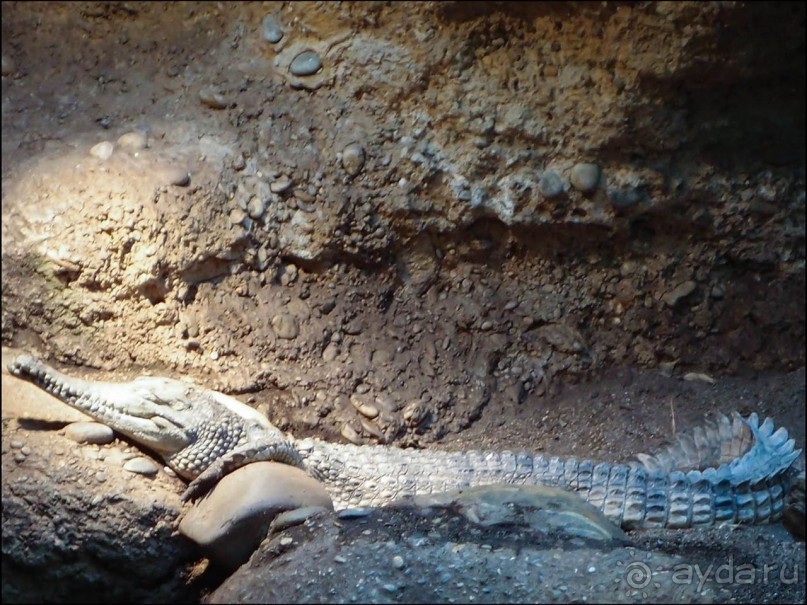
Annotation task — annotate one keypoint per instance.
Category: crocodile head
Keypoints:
(188, 426)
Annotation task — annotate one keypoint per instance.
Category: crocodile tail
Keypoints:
(772, 452)
(741, 450)
(722, 442)
(712, 445)
(751, 488)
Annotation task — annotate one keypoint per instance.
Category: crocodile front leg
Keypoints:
(275, 451)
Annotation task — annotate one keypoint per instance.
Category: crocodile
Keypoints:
(732, 470)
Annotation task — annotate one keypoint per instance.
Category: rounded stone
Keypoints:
(356, 512)
(233, 519)
(237, 216)
(306, 63)
(585, 177)
(551, 185)
(175, 175)
(133, 141)
(351, 434)
(103, 150)
(141, 466)
(368, 410)
(353, 159)
(330, 353)
(281, 184)
(271, 30)
(680, 292)
(365, 409)
(285, 326)
(89, 432)
(255, 207)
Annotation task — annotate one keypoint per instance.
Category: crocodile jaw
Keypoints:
(148, 410)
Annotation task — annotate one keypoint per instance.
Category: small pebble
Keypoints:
(290, 273)
(680, 292)
(353, 159)
(358, 512)
(353, 327)
(285, 326)
(372, 429)
(349, 433)
(255, 207)
(212, 98)
(133, 141)
(141, 466)
(237, 216)
(397, 562)
(304, 206)
(367, 410)
(551, 185)
(100, 476)
(305, 64)
(585, 177)
(103, 150)
(698, 377)
(174, 175)
(280, 185)
(330, 353)
(271, 30)
(286, 540)
(89, 432)
(305, 196)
